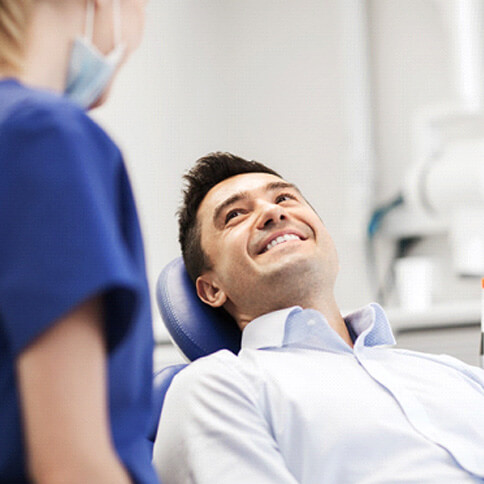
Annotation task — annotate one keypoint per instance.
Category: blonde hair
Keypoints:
(14, 19)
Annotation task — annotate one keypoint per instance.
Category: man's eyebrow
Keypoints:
(236, 197)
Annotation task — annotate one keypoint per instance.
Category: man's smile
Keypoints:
(278, 238)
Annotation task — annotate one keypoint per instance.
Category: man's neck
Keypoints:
(333, 316)
(327, 307)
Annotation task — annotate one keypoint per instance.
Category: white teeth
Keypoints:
(280, 240)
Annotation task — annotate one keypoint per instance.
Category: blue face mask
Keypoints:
(90, 71)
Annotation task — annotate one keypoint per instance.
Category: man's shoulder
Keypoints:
(222, 361)
(219, 370)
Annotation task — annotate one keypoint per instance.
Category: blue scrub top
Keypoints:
(69, 231)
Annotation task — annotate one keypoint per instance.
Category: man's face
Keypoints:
(265, 243)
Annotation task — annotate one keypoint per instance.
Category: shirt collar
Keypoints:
(295, 326)
(267, 330)
(371, 325)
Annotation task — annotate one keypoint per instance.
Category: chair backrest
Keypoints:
(161, 382)
(197, 329)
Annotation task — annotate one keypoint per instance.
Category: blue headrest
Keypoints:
(197, 329)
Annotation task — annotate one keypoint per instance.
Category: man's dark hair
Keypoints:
(204, 175)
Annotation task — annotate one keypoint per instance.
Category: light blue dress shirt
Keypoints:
(298, 405)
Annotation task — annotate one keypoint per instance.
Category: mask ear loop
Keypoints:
(89, 26)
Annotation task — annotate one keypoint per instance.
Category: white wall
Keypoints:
(412, 72)
(265, 79)
(410, 59)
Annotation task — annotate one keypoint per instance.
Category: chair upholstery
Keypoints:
(161, 382)
(197, 329)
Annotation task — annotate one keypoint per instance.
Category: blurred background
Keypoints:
(374, 108)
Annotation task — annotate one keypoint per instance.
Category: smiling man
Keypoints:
(312, 397)
(262, 238)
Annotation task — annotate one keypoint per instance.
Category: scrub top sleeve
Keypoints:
(61, 241)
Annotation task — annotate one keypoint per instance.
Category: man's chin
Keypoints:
(290, 265)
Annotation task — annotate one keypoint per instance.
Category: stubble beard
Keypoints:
(302, 282)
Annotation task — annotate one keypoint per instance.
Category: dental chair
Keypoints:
(195, 328)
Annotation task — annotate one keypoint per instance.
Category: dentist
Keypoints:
(75, 326)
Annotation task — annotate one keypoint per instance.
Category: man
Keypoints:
(311, 397)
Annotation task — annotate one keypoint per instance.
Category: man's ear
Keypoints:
(209, 291)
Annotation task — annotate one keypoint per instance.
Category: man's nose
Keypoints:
(270, 213)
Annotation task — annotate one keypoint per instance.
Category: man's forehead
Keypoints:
(238, 184)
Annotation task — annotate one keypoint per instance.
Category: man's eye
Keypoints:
(232, 214)
(284, 197)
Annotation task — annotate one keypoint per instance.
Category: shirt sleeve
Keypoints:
(60, 238)
(212, 431)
